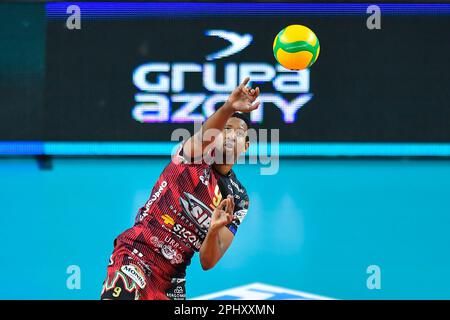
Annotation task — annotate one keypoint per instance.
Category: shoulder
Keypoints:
(236, 180)
(243, 199)
(179, 158)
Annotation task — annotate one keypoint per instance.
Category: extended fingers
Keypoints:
(244, 83)
(231, 204)
(223, 204)
(251, 107)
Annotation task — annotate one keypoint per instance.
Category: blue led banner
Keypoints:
(136, 72)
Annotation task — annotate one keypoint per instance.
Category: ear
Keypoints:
(247, 145)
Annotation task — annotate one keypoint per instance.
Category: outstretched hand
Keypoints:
(243, 98)
(223, 214)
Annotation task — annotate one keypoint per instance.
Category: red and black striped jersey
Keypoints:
(174, 221)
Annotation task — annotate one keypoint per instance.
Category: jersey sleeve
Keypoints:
(240, 211)
(179, 158)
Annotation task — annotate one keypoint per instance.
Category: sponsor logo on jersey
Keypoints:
(187, 221)
(138, 259)
(196, 211)
(168, 219)
(172, 242)
(152, 199)
(236, 186)
(242, 203)
(166, 250)
(188, 237)
(137, 253)
(177, 289)
(178, 280)
(134, 273)
(119, 283)
(155, 196)
(240, 214)
(205, 177)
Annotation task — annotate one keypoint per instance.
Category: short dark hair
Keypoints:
(243, 117)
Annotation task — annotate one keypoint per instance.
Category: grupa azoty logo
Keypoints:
(162, 95)
(238, 43)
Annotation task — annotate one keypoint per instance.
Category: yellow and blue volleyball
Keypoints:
(296, 47)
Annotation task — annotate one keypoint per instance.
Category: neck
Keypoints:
(223, 169)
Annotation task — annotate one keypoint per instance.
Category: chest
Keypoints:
(198, 201)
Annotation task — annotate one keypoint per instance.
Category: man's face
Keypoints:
(234, 139)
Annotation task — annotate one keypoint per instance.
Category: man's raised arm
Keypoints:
(241, 99)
